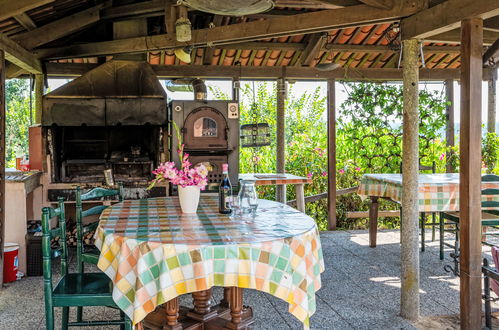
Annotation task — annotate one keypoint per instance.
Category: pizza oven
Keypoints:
(210, 131)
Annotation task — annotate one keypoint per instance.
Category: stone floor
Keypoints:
(360, 290)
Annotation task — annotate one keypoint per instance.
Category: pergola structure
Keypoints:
(408, 40)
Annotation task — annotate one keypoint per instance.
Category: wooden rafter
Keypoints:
(311, 22)
(491, 24)
(208, 53)
(16, 54)
(492, 53)
(59, 28)
(454, 36)
(25, 21)
(445, 17)
(314, 46)
(12, 8)
(382, 4)
(144, 9)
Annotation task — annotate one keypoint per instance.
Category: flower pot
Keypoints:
(189, 198)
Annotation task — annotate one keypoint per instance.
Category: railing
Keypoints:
(350, 215)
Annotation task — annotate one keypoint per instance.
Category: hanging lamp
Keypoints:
(230, 8)
(184, 53)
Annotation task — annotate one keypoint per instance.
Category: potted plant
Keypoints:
(190, 180)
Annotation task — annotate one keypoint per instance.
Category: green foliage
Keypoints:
(490, 153)
(17, 119)
(369, 140)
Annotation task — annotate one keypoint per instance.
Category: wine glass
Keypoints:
(235, 207)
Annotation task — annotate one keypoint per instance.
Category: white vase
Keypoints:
(189, 198)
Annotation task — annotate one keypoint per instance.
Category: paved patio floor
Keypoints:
(360, 290)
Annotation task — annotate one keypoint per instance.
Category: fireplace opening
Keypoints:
(82, 153)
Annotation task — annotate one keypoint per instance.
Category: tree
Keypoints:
(18, 118)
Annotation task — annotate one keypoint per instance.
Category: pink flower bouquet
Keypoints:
(186, 176)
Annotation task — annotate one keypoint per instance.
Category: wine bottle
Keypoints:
(224, 192)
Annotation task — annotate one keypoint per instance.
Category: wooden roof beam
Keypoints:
(454, 36)
(262, 72)
(314, 46)
(12, 8)
(208, 52)
(492, 53)
(146, 8)
(19, 56)
(59, 28)
(25, 21)
(445, 17)
(382, 4)
(312, 22)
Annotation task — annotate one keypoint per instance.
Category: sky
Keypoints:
(299, 87)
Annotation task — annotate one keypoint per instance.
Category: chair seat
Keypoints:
(90, 255)
(488, 219)
(87, 289)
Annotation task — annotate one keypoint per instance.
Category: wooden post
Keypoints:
(281, 126)
(39, 81)
(409, 250)
(491, 113)
(2, 160)
(449, 133)
(331, 154)
(470, 173)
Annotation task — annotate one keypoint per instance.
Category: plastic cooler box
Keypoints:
(10, 262)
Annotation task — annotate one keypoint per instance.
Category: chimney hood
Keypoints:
(114, 93)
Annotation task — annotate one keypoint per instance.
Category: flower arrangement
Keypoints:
(186, 175)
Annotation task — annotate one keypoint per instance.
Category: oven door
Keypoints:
(205, 128)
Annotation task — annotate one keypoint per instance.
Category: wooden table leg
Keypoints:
(172, 307)
(236, 307)
(373, 221)
(201, 302)
(225, 300)
(300, 198)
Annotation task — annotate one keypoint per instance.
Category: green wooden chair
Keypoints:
(73, 289)
(490, 218)
(90, 254)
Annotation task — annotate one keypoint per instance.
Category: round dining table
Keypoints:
(154, 253)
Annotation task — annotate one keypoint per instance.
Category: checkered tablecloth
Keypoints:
(436, 192)
(154, 253)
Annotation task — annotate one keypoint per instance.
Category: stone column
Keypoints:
(492, 106)
(281, 143)
(331, 154)
(449, 133)
(409, 251)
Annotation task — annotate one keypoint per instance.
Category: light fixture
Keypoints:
(184, 53)
(183, 25)
(183, 29)
(230, 8)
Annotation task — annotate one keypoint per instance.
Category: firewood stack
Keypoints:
(88, 238)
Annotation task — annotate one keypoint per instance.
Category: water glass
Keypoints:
(248, 198)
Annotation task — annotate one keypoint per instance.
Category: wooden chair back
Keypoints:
(93, 194)
(49, 253)
(490, 192)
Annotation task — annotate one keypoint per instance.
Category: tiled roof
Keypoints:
(368, 35)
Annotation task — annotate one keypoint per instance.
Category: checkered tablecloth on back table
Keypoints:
(436, 192)
(154, 253)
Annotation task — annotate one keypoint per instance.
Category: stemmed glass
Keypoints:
(235, 207)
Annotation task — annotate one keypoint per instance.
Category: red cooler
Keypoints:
(10, 262)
